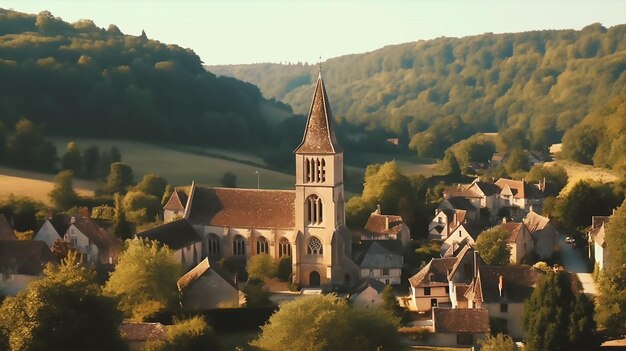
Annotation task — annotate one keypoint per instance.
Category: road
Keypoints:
(575, 261)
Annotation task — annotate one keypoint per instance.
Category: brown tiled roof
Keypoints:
(131, 331)
(434, 274)
(243, 208)
(535, 222)
(518, 282)
(379, 224)
(475, 290)
(176, 234)
(460, 320)
(199, 270)
(467, 250)
(319, 134)
(460, 203)
(6, 232)
(27, 257)
(520, 189)
(104, 240)
(514, 228)
(177, 201)
(459, 191)
(461, 289)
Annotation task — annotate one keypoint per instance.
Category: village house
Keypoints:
(598, 252)
(307, 224)
(430, 287)
(459, 327)
(207, 286)
(544, 235)
(53, 228)
(381, 260)
(181, 238)
(464, 234)
(368, 294)
(518, 196)
(461, 275)
(385, 227)
(22, 261)
(137, 334)
(520, 242)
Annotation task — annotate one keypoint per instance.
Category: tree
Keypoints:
(493, 246)
(63, 196)
(21, 210)
(326, 322)
(389, 301)
(119, 179)
(121, 226)
(186, 334)
(141, 207)
(60, 248)
(256, 294)
(517, 162)
(555, 177)
(63, 311)
(284, 268)
(557, 318)
(152, 184)
(167, 194)
(500, 342)
(144, 280)
(611, 302)
(229, 180)
(72, 160)
(261, 266)
(91, 157)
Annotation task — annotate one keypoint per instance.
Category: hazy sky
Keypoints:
(240, 31)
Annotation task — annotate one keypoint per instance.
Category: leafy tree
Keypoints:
(22, 211)
(186, 334)
(141, 207)
(517, 162)
(325, 322)
(60, 248)
(450, 165)
(493, 246)
(555, 176)
(72, 159)
(27, 148)
(144, 280)
(554, 318)
(389, 302)
(63, 196)
(167, 194)
(25, 235)
(152, 184)
(120, 178)
(261, 266)
(256, 294)
(284, 268)
(91, 157)
(121, 226)
(229, 180)
(611, 302)
(63, 311)
(500, 342)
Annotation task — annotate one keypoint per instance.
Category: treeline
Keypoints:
(80, 80)
(434, 93)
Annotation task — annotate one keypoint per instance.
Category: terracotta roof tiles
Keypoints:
(460, 320)
(435, 273)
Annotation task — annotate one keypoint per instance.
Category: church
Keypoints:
(307, 224)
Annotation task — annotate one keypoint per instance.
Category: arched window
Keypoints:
(284, 247)
(315, 247)
(262, 246)
(214, 245)
(314, 209)
(239, 246)
(314, 170)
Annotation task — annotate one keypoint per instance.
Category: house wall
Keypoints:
(424, 302)
(393, 277)
(367, 298)
(170, 216)
(82, 244)
(522, 246)
(15, 283)
(440, 220)
(599, 254)
(546, 241)
(513, 317)
(210, 291)
(457, 236)
(450, 339)
(47, 233)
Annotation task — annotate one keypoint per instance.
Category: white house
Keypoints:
(53, 228)
(597, 245)
(100, 247)
(22, 261)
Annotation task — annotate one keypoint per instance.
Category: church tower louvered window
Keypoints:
(314, 210)
(315, 170)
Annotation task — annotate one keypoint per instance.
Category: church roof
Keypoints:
(319, 135)
(243, 208)
(177, 201)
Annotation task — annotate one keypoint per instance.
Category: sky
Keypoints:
(245, 31)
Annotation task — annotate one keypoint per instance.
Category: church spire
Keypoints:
(319, 134)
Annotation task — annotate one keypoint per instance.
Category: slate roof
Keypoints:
(379, 224)
(198, 271)
(97, 234)
(518, 283)
(535, 222)
(435, 273)
(460, 320)
(6, 232)
(131, 331)
(177, 201)
(461, 203)
(379, 254)
(27, 257)
(486, 187)
(176, 234)
(242, 208)
(367, 283)
(319, 134)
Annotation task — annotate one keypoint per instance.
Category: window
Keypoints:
(433, 302)
(426, 291)
(504, 307)
(464, 339)
(239, 246)
(213, 245)
(314, 170)
(371, 272)
(439, 220)
(385, 271)
(284, 248)
(314, 209)
(73, 241)
(387, 282)
(315, 247)
(262, 245)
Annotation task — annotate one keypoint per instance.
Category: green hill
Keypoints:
(533, 86)
(81, 80)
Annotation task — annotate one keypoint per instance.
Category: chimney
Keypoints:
(386, 222)
(475, 264)
(50, 213)
(503, 219)
(500, 284)
(378, 209)
(72, 220)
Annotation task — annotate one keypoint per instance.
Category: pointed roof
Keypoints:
(199, 270)
(319, 135)
(177, 201)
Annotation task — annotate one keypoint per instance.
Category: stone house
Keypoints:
(597, 245)
(207, 286)
(430, 287)
(459, 327)
(544, 234)
(520, 241)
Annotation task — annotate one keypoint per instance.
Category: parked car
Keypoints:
(569, 240)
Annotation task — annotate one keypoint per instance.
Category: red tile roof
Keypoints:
(243, 208)
(378, 224)
(319, 135)
(177, 201)
(460, 320)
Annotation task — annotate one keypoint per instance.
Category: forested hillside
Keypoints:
(80, 80)
(532, 86)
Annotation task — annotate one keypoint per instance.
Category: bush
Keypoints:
(284, 268)
(261, 266)
(187, 334)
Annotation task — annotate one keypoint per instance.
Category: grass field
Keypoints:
(577, 172)
(35, 185)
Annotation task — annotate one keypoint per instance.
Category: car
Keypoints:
(569, 240)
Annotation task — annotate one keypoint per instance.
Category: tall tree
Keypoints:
(500, 342)
(493, 246)
(120, 178)
(63, 311)
(72, 159)
(63, 196)
(121, 226)
(144, 280)
(91, 157)
(152, 184)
